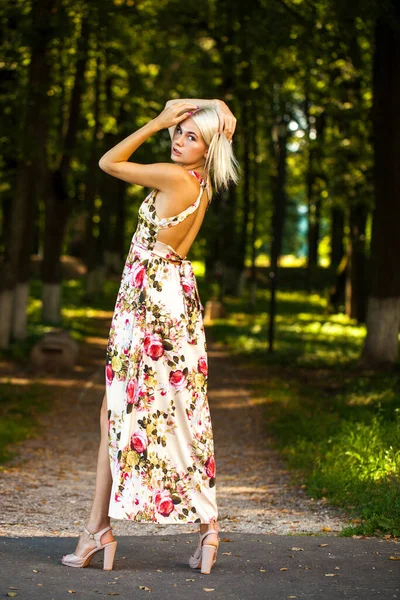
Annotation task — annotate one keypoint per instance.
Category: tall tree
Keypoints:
(383, 316)
(30, 174)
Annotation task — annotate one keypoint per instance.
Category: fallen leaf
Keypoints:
(189, 579)
(159, 570)
(330, 574)
(35, 571)
(394, 557)
(337, 568)
(145, 588)
(284, 569)
(226, 540)
(323, 545)
(292, 596)
(326, 529)
(227, 554)
(40, 584)
(262, 570)
(209, 589)
(297, 549)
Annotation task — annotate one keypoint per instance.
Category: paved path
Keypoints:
(250, 566)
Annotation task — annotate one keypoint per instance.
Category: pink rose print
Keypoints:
(163, 502)
(139, 441)
(109, 374)
(188, 285)
(210, 466)
(177, 379)
(131, 392)
(153, 346)
(138, 275)
(202, 365)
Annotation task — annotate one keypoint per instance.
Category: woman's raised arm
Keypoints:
(163, 176)
(227, 120)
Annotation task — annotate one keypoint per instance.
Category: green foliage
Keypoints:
(337, 427)
(19, 408)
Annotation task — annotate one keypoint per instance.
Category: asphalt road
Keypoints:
(249, 566)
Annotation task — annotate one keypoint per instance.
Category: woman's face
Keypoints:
(187, 146)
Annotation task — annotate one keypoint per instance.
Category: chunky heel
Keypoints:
(207, 558)
(109, 554)
(71, 560)
(205, 555)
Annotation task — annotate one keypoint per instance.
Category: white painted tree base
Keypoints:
(6, 310)
(383, 325)
(20, 311)
(51, 298)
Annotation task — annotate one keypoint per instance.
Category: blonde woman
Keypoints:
(156, 457)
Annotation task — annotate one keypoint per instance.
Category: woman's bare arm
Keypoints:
(163, 176)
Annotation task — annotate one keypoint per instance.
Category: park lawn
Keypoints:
(20, 406)
(338, 427)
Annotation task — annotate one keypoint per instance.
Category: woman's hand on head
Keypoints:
(175, 113)
(227, 122)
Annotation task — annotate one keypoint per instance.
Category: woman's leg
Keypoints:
(99, 518)
(211, 539)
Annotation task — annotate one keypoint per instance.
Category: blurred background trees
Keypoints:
(315, 86)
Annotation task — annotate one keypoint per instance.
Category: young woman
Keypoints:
(155, 422)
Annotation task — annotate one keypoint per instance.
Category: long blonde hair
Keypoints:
(220, 162)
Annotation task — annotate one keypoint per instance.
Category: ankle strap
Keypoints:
(208, 532)
(97, 536)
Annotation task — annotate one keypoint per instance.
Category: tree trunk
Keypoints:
(278, 220)
(356, 282)
(314, 198)
(94, 258)
(383, 317)
(31, 172)
(243, 236)
(337, 233)
(254, 229)
(57, 201)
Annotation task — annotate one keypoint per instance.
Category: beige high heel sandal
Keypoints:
(71, 560)
(206, 554)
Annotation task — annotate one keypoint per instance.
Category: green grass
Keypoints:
(20, 406)
(338, 427)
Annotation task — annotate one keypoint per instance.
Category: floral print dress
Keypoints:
(160, 435)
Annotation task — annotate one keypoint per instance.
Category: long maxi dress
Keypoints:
(160, 435)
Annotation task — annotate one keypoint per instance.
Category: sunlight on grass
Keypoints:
(338, 429)
(19, 406)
